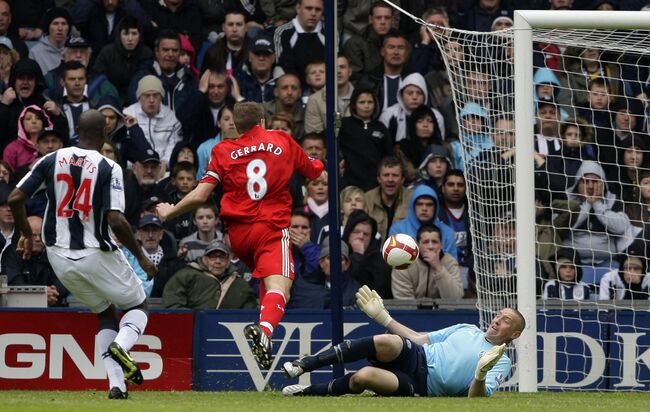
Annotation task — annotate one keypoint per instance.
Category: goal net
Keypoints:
(577, 199)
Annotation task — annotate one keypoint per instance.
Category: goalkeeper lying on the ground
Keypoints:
(455, 361)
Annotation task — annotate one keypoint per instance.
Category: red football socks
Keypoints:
(271, 310)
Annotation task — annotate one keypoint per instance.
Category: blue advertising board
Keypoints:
(223, 360)
(586, 350)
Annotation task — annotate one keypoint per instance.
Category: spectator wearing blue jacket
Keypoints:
(476, 138)
(423, 209)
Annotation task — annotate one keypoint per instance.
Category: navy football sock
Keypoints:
(346, 351)
(340, 386)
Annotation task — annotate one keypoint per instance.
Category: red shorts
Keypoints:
(264, 249)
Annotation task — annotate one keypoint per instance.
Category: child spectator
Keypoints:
(22, 151)
(316, 205)
(315, 79)
(568, 285)
(282, 121)
(631, 280)
(226, 128)
(182, 181)
(206, 220)
(423, 130)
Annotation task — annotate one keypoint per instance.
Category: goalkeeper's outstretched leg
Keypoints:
(460, 360)
(398, 368)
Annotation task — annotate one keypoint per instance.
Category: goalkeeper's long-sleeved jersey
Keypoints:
(452, 357)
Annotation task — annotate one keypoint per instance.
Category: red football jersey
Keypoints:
(255, 171)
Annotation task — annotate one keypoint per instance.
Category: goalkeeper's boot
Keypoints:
(116, 393)
(260, 345)
(295, 390)
(293, 369)
(132, 372)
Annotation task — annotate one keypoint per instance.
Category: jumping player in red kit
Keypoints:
(254, 171)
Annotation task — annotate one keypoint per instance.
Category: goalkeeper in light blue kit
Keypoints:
(460, 360)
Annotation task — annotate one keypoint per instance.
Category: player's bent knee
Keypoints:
(363, 378)
(388, 346)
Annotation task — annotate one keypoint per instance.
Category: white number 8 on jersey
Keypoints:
(256, 170)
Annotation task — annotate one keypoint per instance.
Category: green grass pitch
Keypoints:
(28, 401)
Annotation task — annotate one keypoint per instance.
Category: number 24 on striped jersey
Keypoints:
(81, 195)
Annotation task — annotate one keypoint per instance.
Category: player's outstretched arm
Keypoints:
(372, 305)
(191, 201)
(122, 230)
(16, 202)
(485, 363)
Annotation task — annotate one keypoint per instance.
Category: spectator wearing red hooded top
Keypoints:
(188, 56)
(22, 151)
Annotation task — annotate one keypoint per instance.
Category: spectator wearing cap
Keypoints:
(180, 86)
(209, 282)
(364, 140)
(161, 128)
(142, 184)
(230, 51)
(119, 60)
(151, 235)
(547, 127)
(434, 167)
(315, 111)
(7, 30)
(567, 283)
(314, 291)
(9, 260)
(25, 89)
(8, 58)
(77, 49)
(49, 49)
(478, 15)
(258, 75)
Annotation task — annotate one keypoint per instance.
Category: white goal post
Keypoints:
(524, 22)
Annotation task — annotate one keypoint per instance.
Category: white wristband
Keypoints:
(387, 321)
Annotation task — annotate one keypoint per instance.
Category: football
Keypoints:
(400, 251)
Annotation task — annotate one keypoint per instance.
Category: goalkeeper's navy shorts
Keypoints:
(411, 370)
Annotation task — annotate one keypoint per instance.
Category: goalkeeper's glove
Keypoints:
(488, 360)
(372, 305)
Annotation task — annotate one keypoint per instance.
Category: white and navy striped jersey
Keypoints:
(81, 186)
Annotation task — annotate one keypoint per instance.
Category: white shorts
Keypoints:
(98, 279)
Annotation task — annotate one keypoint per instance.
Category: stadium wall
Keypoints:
(55, 349)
